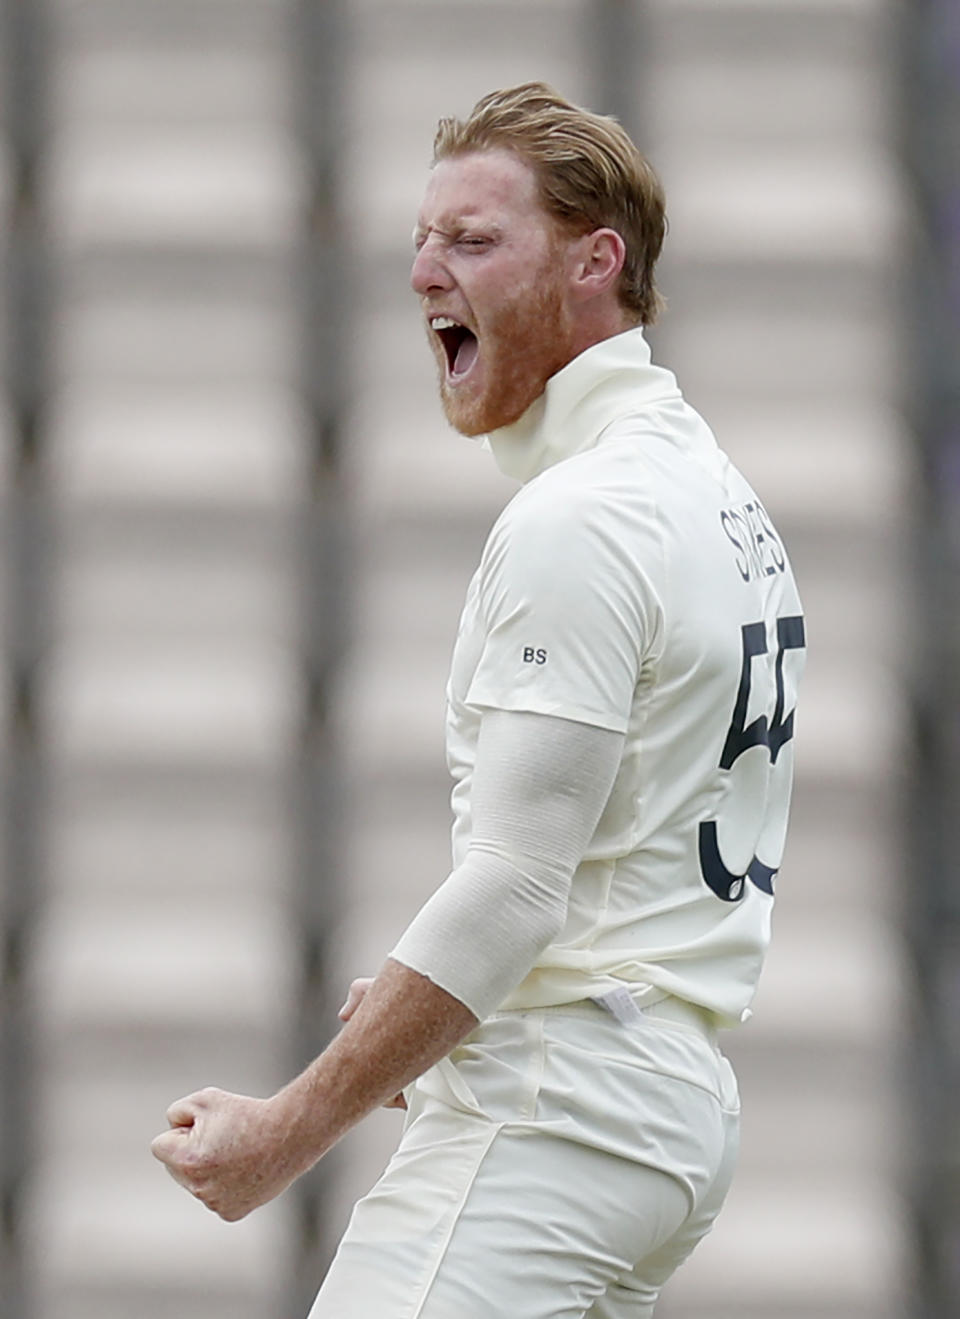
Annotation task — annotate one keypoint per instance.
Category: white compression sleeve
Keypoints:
(539, 787)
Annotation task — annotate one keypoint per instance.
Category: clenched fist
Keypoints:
(235, 1153)
(232, 1152)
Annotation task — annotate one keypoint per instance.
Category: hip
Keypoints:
(655, 1091)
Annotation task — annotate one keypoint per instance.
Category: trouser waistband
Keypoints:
(684, 1013)
(664, 1007)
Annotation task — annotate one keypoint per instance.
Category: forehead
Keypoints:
(484, 185)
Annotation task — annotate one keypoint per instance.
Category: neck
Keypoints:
(598, 323)
(612, 377)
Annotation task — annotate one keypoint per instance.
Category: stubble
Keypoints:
(523, 343)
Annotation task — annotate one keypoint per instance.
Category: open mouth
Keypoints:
(459, 344)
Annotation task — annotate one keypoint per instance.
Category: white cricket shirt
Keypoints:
(636, 583)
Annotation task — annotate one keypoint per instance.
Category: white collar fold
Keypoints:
(611, 379)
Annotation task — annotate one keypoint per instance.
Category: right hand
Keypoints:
(355, 996)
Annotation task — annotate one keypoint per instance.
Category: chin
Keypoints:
(466, 411)
(488, 410)
(473, 419)
(465, 425)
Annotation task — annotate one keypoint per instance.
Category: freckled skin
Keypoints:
(235, 1153)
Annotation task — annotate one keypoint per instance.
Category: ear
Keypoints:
(598, 261)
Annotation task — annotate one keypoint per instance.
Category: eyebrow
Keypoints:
(455, 227)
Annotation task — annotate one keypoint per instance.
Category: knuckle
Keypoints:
(194, 1162)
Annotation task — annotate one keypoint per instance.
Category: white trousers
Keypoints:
(558, 1165)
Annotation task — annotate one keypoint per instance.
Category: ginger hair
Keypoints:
(589, 174)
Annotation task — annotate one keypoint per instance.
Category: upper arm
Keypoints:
(569, 613)
(540, 786)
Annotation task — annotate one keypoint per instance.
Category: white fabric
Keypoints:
(636, 583)
(507, 1197)
(539, 787)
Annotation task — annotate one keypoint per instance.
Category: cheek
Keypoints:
(504, 282)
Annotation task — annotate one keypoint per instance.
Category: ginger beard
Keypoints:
(519, 345)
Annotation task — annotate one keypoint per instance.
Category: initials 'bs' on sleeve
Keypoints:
(569, 606)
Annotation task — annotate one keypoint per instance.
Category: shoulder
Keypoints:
(576, 537)
(591, 498)
(541, 526)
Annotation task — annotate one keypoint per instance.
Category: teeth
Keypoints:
(442, 323)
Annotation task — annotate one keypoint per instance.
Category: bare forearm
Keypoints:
(234, 1152)
(403, 1026)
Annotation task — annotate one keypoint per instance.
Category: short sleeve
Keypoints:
(569, 608)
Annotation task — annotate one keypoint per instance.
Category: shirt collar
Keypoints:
(611, 379)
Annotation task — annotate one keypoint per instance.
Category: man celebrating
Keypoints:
(620, 724)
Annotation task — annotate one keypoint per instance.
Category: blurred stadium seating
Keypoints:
(178, 466)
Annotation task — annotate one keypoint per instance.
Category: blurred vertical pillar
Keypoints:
(613, 32)
(930, 44)
(23, 42)
(319, 52)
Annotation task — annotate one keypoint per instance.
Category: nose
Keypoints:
(428, 273)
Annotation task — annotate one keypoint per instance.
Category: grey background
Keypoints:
(179, 471)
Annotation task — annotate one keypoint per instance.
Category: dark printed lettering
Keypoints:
(749, 530)
(776, 548)
(729, 523)
(772, 734)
